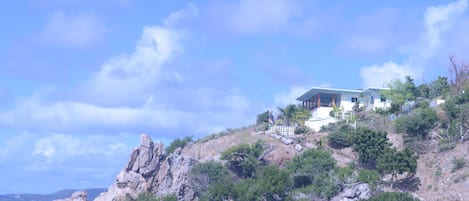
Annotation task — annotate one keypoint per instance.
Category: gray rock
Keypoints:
(353, 193)
(150, 170)
(286, 141)
(76, 196)
(298, 147)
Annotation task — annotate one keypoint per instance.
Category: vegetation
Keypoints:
(177, 143)
(397, 162)
(371, 177)
(147, 196)
(243, 159)
(263, 117)
(393, 196)
(341, 137)
(293, 115)
(400, 92)
(458, 163)
(418, 123)
(369, 144)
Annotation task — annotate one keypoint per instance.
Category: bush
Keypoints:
(458, 163)
(417, 123)
(242, 159)
(445, 144)
(369, 144)
(177, 143)
(147, 196)
(263, 117)
(274, 183)
(341, 138)
(311, 162)
(397, 162)
(301, 130)
(393, 196)
(205, 175)
(371, 177)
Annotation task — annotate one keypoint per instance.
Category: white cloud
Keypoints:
(289, 97)
(76, 31)
(251, 17)
(60, 146)
(437, 20)
(380, 75)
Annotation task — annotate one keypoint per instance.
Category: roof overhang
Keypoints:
(321, 90)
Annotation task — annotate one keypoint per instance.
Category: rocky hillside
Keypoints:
(149, 169)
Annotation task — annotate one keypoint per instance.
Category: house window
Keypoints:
(372, 100)
(383, 99)
(354, 99)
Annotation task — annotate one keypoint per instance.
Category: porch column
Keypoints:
(319, 100)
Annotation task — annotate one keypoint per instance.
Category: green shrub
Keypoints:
(301, 130)
(147, 196)
(341, 137)
(371, 177)
(397, 162)
(369, 144)
(393, 196)
(177, 143)
(263, 117)
(205, 175)
(445, 144)
(417, 123)
(325, 186)
(274, 183)
(458, 163)
(242, 159)
(312, 161)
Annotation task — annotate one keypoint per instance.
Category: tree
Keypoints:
(439, 87)
(400, 92)
(394, 162)
(287, 113)
(369, 144)
(243, 159)
(263, 117)
(423, 90)
(460, 76)
(177, 143)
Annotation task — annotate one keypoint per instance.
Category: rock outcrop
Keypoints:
(76, 196)
(150, 170)
(353, 193)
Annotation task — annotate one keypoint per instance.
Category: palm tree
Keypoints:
(287, 113)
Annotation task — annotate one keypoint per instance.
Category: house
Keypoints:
(322, 101)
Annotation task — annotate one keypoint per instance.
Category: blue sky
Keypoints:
(80, 80)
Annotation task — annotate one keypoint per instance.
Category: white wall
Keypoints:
(316, 125)
(321, 112)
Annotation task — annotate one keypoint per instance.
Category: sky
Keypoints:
(80, 80)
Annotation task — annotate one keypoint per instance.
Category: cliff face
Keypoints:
(149, 169)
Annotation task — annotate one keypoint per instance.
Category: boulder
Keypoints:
(354, 193)
(298, 147)
(286, 141)
(76, 196)
(149, 169)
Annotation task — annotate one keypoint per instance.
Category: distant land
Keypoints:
(92, 194)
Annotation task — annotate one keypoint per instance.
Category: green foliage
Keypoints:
(445, 144)
(325, 186)
(400, 92)
(394, 162)
(176, 143)
(417, 123)
(371, 177)
(274, 183)
(369, 144)
(263, 117)
(147, 196)
(341, 137)
(291, 114)
(225, 190)
(301, 130)
(242, 159)
(393, 196)
(439, 87)
(458, 163)
(205, 175)
(423, 90)
(344, 173)
(312, 162)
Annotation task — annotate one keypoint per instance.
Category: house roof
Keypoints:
(316, 90)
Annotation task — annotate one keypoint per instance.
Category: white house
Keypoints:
(321, 101)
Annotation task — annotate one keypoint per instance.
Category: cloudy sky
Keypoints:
(81, 79)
